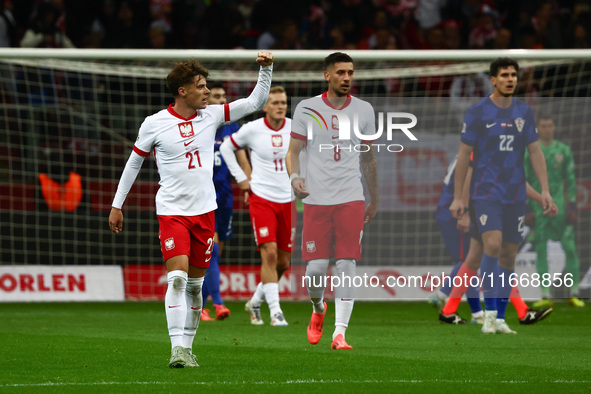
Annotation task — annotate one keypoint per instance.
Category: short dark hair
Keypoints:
(215, 85)
(336, 57)
(545, 116)
(502, 62)
(183, 73)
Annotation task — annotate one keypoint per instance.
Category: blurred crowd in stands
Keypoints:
(296, 24)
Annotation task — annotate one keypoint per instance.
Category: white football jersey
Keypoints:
(333, 171)
(268, 148)
(183, 150)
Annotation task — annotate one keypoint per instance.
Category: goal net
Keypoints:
(69, 119)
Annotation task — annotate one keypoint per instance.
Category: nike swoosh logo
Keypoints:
(346, 299)
(488, 126)
(195, 309)
(335, 138)
(173, 306)
(187, 143)
(206, 260)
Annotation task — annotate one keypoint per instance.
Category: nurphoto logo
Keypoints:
(388, 122)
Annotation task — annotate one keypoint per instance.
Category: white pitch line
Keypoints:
(295, 382)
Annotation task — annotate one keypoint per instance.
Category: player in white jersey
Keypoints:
(270, 198)
(334, 204)
(182, 138)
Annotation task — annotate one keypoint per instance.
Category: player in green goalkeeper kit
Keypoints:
(561, 168)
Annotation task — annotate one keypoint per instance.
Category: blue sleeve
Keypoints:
(471, 127)
(531, 132)
(230, 129)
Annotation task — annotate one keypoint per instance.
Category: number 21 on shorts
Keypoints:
(209, 248)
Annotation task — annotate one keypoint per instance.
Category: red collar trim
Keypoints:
(269, 125)
(327, 101)
(175, 114)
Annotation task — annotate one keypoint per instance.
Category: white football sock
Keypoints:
(259, 295)
(271, 291)
(344, 295)
(176, 306)
(315, 281)
(318, 307)
(339, 330)
(194, 304)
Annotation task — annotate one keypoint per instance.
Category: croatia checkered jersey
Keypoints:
(500, 137)
(183, 151)
(333, 172)
(268, 148)
(221, 174)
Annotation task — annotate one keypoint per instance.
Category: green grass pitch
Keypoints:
(397, 347)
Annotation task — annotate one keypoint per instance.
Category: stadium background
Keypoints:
(68, 115)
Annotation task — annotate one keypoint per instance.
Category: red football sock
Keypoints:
(518, 303)
(451, 306)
